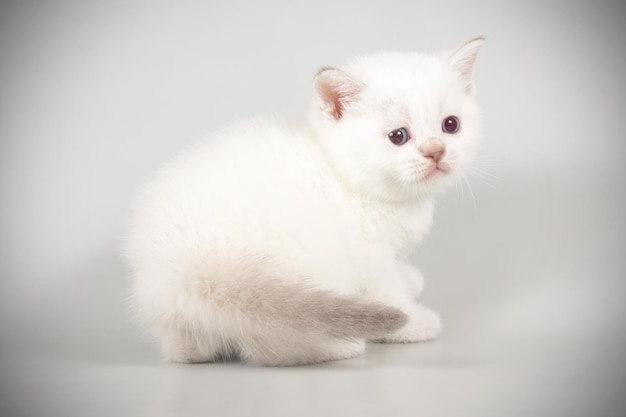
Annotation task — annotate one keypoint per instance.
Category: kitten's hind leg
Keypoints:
(298, 349)
(423, 325)
(196, 347)
(260, 346)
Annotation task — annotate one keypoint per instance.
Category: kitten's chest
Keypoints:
(399, 227)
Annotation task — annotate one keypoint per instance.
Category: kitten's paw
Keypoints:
(424, 324)
(413, 279)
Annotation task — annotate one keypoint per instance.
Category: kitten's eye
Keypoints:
(399, 136)
(451, 124)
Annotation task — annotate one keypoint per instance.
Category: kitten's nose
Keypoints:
(433, 149)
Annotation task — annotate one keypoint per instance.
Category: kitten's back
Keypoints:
(204, 245)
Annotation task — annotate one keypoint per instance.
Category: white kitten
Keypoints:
(286, 245)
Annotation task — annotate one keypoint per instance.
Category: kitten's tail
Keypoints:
(256, 309)
(276, 303)
(266, 294)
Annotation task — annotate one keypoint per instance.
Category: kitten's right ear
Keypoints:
(335, 91)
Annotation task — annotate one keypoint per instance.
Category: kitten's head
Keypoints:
(397, 126)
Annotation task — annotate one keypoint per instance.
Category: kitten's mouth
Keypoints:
(436, 171)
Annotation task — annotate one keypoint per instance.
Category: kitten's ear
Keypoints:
(463, 59)
(335, 90)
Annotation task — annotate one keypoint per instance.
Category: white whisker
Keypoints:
(458, 184)
(471, 192)
(487, 178)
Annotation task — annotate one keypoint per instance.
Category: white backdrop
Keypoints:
(527, 268)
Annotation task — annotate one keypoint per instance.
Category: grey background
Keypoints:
(527, 269)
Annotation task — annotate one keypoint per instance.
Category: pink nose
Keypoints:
(433, 149)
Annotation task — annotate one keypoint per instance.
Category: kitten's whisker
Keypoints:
(487, 178)
(458, 184)
(481, 168)
(469, 187)
(479, 163)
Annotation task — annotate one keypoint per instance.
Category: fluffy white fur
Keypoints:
(287, 244)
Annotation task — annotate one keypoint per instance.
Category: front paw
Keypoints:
(413, 279)
(424, 324)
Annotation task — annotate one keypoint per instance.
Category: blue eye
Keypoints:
(399, 136)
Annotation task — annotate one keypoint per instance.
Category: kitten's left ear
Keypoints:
(335, 90)
(462, 61)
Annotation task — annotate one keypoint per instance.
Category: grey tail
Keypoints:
(276, 303)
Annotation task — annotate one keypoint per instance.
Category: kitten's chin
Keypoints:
(435, 179)
(436, 173)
